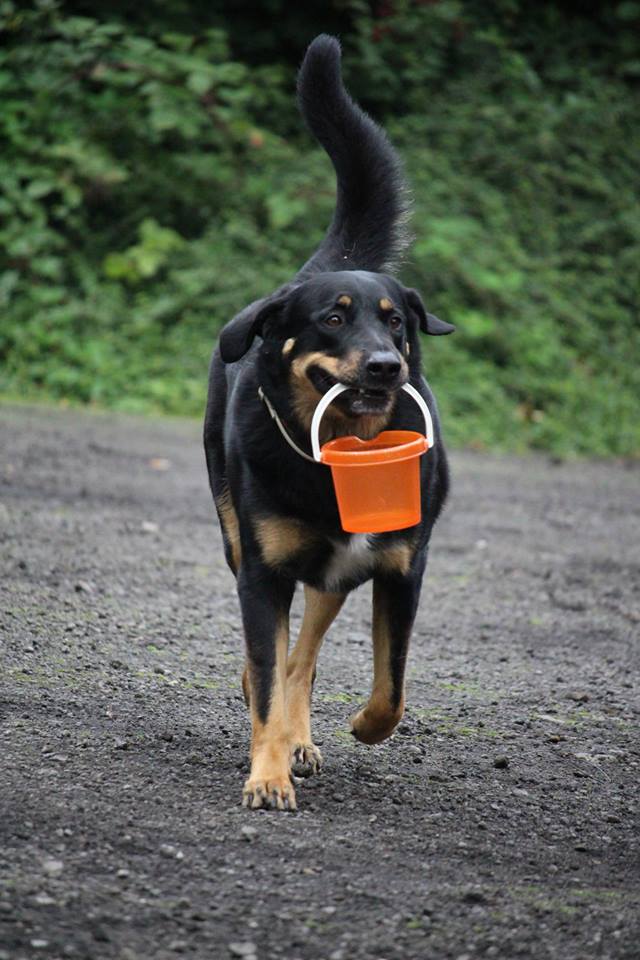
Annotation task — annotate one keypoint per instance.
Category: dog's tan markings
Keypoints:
(334, 423)
(404, 368)
(380, 716)
(304, 399)
(246, 688)
(342, 368)
(288, 346)
(386, 304)
(348, 369)
(305, 396)
(345, 300)
(269, 783)
(396, 558)
(365, 427)
(230, 526)
(281, 538)
(320, 610)
(407, 348)
(315, 358)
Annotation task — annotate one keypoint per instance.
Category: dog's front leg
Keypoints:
(320, 610)
(265, 598)
(395, 601)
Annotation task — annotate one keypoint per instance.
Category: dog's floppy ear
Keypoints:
(428, 323)
(238, 335)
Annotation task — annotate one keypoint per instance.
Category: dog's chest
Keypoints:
(350, 560)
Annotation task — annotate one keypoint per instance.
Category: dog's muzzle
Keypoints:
(372, 391)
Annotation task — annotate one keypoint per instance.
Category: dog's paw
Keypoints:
(276, 793)
(373, 726)
(306, 760)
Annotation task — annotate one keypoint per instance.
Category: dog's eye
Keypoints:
(395, 322)
(334, 320)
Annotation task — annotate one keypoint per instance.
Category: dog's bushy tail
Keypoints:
(367, 231)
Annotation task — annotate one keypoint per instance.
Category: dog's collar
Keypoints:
(280, 425)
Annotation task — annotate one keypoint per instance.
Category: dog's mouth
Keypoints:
(356, 401)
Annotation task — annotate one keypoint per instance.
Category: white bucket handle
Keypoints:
(339, 388)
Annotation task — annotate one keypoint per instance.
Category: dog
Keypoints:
(342, 319)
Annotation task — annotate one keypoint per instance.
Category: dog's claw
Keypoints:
(276, 794)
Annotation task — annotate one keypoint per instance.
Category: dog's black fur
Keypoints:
(339, 319)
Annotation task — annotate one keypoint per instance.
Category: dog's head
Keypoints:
(351, 327)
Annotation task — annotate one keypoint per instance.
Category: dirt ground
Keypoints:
(500, 821)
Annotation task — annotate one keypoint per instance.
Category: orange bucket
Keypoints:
(377, 482)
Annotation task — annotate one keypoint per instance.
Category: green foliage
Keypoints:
(146, 258)
(155, 179)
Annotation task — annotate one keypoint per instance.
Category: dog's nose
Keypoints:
(383, 367)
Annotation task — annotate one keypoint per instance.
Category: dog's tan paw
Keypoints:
(306, 760)
(369, 726)
(276, 793)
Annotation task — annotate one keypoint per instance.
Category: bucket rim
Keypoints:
(373, 452)
(339, 388)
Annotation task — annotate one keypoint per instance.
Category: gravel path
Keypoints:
(500, 821)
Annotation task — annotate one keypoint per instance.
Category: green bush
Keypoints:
(155, 179)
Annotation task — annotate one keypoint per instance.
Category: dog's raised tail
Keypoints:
(367, 231)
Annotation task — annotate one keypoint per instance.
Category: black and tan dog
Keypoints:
(339, 320)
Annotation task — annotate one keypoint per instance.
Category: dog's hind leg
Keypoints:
(395, 601)
(320, 610)
(265, 598)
